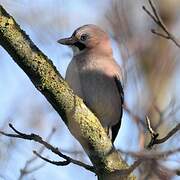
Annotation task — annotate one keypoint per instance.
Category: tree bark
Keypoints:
(81, 122)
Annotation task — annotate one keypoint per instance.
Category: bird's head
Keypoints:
(87, 37)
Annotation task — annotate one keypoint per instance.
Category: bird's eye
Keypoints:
(84, 37)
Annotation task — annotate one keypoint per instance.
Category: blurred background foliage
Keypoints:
(151, 82)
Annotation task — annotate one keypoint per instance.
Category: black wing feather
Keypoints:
(116, 127)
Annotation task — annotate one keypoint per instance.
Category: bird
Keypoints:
(94, 75)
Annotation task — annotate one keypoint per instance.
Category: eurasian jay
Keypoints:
(94, 75)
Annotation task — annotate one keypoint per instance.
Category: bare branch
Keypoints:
(154, 15)
(169, 135)
(151, 157)
(55, 150)
(57, 163)
(144, 155)
(25, 170)
(137, 119)
(64, 163)
(159, 34)
(128, 170)
(155, 135)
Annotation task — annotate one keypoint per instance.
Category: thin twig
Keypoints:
(57, 163)
(155, 135)
(146, 155)
(26, 170)
(128, 170)
(149, 157)
(169, 135)
(55, 150)
(136, 118)
(160, 34)
(154, 15)
(64, 163)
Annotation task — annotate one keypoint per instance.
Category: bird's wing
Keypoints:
(117, 126)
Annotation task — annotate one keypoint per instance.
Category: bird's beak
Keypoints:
(67, 41)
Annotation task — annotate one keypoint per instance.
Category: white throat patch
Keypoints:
(76, 50)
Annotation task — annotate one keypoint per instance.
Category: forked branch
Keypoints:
(154, 15)
(55, 150)
(154, 135)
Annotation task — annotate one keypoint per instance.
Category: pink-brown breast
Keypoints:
(92, 79)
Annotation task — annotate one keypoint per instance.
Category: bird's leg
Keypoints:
(108, 132)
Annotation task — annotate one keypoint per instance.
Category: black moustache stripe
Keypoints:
(80, 45)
